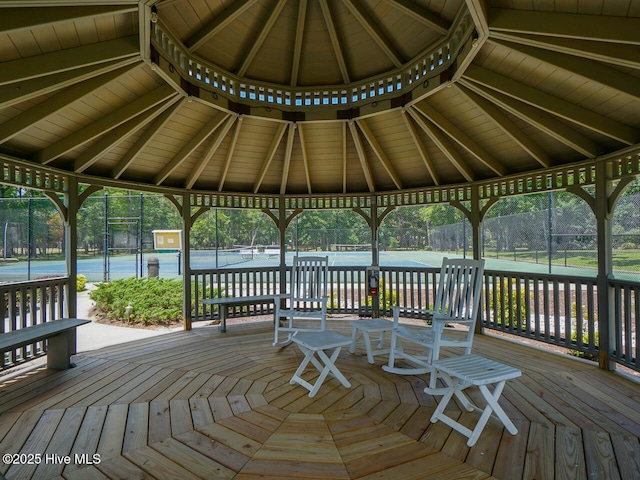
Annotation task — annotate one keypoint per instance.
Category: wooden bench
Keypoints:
(60, 336)
(225, 303)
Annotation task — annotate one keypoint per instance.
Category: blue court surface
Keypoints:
(96, 269)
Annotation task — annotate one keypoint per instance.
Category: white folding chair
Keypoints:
(306, 300)
(457, 303)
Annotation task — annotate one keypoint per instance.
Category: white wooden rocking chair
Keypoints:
(458, 299)
(306, 300)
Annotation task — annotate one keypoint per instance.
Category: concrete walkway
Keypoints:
(97, 335)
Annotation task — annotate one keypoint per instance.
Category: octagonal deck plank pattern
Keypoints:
(202, 404)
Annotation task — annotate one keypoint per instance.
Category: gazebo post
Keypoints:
(71, 246)
(186, 260)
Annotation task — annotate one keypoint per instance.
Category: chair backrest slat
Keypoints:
(309, 278)
(459, 286)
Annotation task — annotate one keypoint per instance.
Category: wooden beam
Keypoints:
(117, 135)
(264, 32)
(443, 144)
(507, 126)
(270, 154)
(422, 151)
(229, 157)
(415, 11)
(305, 158)
(68, 59)
(554, 105)
(227, 16)
(460, 137)
(362, 156)
(297, 44)
(583, 67)
(147, 137)
(193, 143)
(36, 87)
(604, 28)
(335, 41)
(55, 103)
(344, 157)
(214, 144)
(374, 31)
(373, 141)
(541, 120)
(104, 124)
(15, 19)
(287, 158)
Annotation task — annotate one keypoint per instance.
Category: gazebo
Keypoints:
(286, 106)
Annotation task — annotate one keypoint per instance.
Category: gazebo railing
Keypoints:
(553, 309)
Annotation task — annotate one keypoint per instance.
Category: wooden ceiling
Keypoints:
(92, 88)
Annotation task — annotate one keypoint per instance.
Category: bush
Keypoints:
(510, 301)
(153, 300)
(387, 300)
(81, 282)
(628, 246)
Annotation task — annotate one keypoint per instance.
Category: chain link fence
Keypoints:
(115, 233)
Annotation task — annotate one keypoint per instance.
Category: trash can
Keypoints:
(153, 267)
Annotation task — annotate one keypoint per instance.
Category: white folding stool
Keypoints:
(467, 370)
(312, 343)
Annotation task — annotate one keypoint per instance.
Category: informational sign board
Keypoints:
(167, 239)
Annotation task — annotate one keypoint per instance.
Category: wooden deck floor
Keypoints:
(202, 404)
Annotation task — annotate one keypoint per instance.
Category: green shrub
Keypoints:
(628, 246)
(153, 300)
(81, 282)
(585, 332)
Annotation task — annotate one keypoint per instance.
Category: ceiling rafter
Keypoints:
(104, 124)
(507, 126)
(305, 158)
(554, 105)
(256, 45)
(585, 68)
(297, 44)
(114, 137)
(36, 87)
(426, 159)
(373, 141)
(69, 59)
(13, 20)
(460, 137)
(335, 41)
(609, 53)
(188, 148)
(230, 151)
(344, 157)
(277, 138)
(227, 16)
(442, 142)
(374, 31)
(217, 138)
(287, 157)
(362, 156)
(566, 25)
(538, 118)
(148, 135)
(422, 15)
(57, 102)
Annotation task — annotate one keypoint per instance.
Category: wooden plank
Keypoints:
(137, 427)
(569, 454)
(201, 413)
(191, 460)
(219, 453)
(18, 434)
(540, 449)
(627, 451)
(86, 441)
(180, 416)
(36, 443)
(120, 467)
(112, 436)
(600, 457)
(158, 465)
(159, 421)
(511, 455)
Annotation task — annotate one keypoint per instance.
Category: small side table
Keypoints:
(312, 343)
(467, 370)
